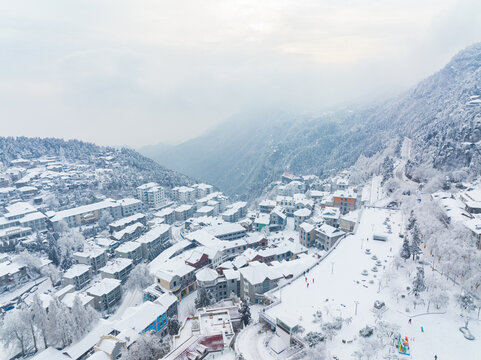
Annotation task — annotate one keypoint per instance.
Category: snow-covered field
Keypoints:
(337, 284)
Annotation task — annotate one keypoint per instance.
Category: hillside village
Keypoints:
(193, 267)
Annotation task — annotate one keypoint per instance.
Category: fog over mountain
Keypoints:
(441, 115)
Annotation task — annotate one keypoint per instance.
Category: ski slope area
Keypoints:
(337, 284)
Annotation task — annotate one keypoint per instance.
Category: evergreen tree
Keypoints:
(419, 284)
(467, 305)
(411, 221)
(53, 253)
(406, 251)
(173, 326)
(415, 246)
(245, 312)
(204, 298)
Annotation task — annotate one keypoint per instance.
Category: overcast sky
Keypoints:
(143, 72)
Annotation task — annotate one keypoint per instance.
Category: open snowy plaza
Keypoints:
(339, 285)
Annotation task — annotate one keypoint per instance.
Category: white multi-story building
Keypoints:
(184, 194)
(152, 194)
(130, 206)
(202, 190)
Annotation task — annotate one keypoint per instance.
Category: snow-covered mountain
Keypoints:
(442, 115)
(133, 170)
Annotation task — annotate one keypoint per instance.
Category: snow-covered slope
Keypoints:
(441, 115)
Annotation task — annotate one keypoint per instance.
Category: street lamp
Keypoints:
(332, 267)
(357, 303)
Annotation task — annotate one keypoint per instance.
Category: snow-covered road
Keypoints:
(250, 343)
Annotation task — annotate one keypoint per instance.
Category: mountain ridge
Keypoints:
(440, 114)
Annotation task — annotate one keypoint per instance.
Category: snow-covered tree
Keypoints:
(436, 293)
(27, 318)
(467, 305)
(104, 220)
(173, 326)
(82, 318)
(31, 262)
(415, 246)
(406, 251)
(419, 284)
(411, 221)
(204, 298)
(52, 273)
(68, 243)
(148, 346)
(317, 352)
(53, 250)
(39, 317)
(139, 278)
(14, 329)
(61, 227)
(245, 312)
(59, 324)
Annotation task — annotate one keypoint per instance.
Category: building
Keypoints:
(69, 298)
(129, 233)
(348, 222)
(328, 235)
(228, 248)
(287, 177)
(147, 317)
(154, 241)
(307, 234)
(11, 275)
(10, 236)
(152, 194)
(227, 231)
(266, 206)
(345, 200)
(167, 214)
(472, 200)
(130, 206)
(255, 280)
(202, 190)
(331, 216)
(235, 212)
(118, 268)
(287, 203)
(184, 194)
(301, 216)
(7, 193)
(23, 215)
(88, 214)
(176, 276)
(277, 219)
(130, 250)
(184, 212)
(106, 294)
(27, 192)
(78, 275)
(95, 258)
(221, 287)
(205, 211)
(126, 221)
(285, 250)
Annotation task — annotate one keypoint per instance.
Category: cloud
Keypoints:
(117, 72)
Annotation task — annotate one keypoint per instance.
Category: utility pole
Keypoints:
(357, 303)
(332, 267)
